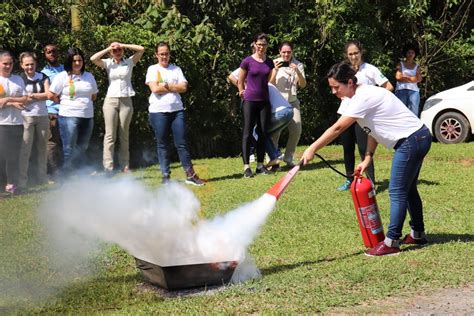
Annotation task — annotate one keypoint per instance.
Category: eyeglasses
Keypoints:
(353, 54)
(261, 44)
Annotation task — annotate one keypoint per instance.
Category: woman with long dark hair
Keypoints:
(408, 75)
(76, 90)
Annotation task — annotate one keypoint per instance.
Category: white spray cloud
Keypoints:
(160, 226)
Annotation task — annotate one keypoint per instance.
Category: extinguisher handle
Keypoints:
(357, 173)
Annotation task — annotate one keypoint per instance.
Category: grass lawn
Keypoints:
(309, 251)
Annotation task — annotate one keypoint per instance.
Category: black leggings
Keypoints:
(255, 113)
(355, 134)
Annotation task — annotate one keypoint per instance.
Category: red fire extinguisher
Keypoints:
(370, 224)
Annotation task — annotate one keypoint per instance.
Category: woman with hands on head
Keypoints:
(118, 107)
(12, 99)
(387, 120)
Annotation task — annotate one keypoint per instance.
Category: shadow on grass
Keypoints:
(447, 238)
(383, 185)
(277, 269)
(438, 239)
(226, 177)
(281, 172)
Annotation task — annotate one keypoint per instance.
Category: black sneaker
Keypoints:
(166, 179)
(248, 173)
(274, 168)
(263, 170)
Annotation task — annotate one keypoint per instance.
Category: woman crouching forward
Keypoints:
(388, 121)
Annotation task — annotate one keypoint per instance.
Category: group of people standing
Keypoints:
(268, 89)
(37, 107)
(408, 75)
(369, 114)
(53, 109)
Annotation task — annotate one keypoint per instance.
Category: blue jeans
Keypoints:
(411, 99)
(403, 192)
(75, 135)
(163, 123)
(278, 121)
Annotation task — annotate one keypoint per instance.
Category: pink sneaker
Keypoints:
(409, 240)
(381, 249)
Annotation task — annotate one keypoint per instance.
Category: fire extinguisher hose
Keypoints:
(334, 169)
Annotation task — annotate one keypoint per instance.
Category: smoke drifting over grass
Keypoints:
(159, 226)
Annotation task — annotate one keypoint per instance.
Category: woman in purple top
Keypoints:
(256, 70)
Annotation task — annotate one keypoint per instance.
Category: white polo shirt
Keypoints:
(369, 74)
(120, 77)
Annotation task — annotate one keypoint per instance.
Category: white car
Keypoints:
(450, 114)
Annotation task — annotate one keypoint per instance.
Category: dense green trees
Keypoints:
(209, 38)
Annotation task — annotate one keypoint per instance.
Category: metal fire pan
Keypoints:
(187, 276)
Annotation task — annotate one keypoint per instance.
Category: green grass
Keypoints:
(309, 251)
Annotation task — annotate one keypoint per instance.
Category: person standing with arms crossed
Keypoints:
(369, 75)
(289, 78)
(408, 75)
(54, 149)
(166, 113)
(35, 120)
(12, 100)
(118, 107)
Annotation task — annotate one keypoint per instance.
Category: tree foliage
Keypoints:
(208, 40)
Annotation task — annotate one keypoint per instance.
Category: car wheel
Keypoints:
(452, 128)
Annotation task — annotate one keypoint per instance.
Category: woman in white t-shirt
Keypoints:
(408, 75)
(369, 75)
(166, 81)
(12, 100)
(35, 120)
(75, 90)
(387, 120)
(118, 107)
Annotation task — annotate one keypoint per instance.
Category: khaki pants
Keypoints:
(294, 132)
(36, 131)
(117, 116)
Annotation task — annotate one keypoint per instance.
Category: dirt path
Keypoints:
(444, 302)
